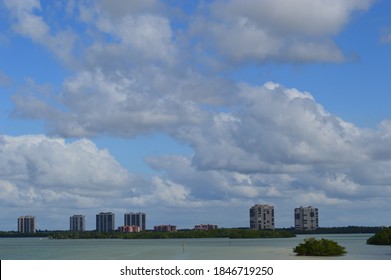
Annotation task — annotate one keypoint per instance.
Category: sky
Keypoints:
(194, 111)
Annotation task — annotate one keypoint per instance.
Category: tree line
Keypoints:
(382, 237)
(213, 233)
(189, 233)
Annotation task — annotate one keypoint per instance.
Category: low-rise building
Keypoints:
(205, 227)
(129, 229)
(165, 228)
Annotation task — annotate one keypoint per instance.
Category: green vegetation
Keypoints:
(382, 237)
(19, 234)
(215, 233)
(224, 233)
(322, 247)
(340, 230)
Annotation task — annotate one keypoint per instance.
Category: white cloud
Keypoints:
(128, 103)
(119, 8)
(136, 76)
(27, 22)
(39, 173)
(129, 32)
(262, 31)
(278, 129)
(146, 35)
(241, 31)
(287, 16)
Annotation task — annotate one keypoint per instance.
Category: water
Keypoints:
(182, 249)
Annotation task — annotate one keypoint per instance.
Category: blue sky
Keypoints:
(194, 112)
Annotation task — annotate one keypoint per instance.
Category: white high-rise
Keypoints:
(262, 216)
(306, 218)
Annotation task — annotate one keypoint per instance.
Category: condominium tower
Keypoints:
(105, 221)
(26, 224)
(306, 218)
(135, 219)
(262, 216)
(77, 223)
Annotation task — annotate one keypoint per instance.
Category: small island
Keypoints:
(322, 247)
(383, 237)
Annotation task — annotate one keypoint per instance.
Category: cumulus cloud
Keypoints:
(272, 128)
(290, 31)
(28, 21)
(240, 31)
(49, 163)
(128, 103)
(138, 74)
(147, 35)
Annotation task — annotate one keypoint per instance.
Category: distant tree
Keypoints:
(382, 237)
(322, 247)
(214, 233)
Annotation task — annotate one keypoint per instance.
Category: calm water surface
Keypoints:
(169, 249)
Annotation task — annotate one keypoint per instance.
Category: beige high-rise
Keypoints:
(306, 218)
(262, 216)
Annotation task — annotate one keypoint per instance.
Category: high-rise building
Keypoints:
(105, 221)
(306, 218)
(26, 224)
(262, 216)
(77, 223)
(135, 219)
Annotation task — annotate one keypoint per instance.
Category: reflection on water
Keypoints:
(169, 249)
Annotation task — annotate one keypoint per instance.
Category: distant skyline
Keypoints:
(120, 218)
(193, 111)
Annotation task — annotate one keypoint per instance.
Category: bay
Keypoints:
(183, 249)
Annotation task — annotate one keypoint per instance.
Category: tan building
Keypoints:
(306, 218)
(205, 227)
(165, 228)
(129, 229)
(262, 216)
